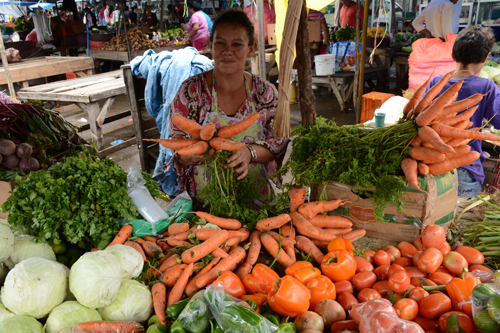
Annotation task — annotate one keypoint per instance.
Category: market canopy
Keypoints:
(43, 5)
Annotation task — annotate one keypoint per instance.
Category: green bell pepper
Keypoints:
(194, 317)
(287, 328)
(219, 330)
(264, 308)
(174, 310)
(237, 318)
(153, 320)
(272, 317)
(177, 328)
(252, 304)
(157, 328)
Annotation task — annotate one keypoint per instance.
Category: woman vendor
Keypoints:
(197, 26)
(226, 95)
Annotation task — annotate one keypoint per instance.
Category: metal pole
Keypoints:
(161, 14)
(6, 67)
(261, 42)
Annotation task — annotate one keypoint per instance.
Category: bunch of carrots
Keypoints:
(205, 137)
(441, 142)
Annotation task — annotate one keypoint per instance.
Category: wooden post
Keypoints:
(12, 91)
(307, 99)
(261, 40)
(124, 29)
(161, 13)
(356, 82)
(394, 24)
(362, 63)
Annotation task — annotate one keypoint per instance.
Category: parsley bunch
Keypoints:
(82, 199)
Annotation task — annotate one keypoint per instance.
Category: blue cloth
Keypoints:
(467, 186)
(209, 22)
(488, 108)
(164, 73)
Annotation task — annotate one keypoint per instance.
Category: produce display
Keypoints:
(377, 32)
(343, 34)
(138, 41)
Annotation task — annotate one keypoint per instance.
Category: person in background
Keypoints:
(348, 14)
(149, 17)
(92, 10)
(126, 15)
(336, 22)
(197, 26)
(133, 16)
(179, 12)
(80, 12)
(480, 39)
(91, 19)
(116, 14)
(438, 18)
(314, 15)
(107, 12)
(209, 22)
(269, 17)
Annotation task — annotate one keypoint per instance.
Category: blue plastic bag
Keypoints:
(345, 55)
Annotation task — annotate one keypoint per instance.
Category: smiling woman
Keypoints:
(226, 95)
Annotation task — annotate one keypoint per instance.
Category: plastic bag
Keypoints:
(98, 329)
(141, 198)
(385, 322)
(487, 276)
(486, 306)
(196, 315)
(362, 311)
(345, 55)
(233, 315)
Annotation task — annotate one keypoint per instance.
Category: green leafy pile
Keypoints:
(81, 199)
(357, 155)
(345, 33)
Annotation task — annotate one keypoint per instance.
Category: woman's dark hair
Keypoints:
(236, 17)
(194, 5)
(473, 44)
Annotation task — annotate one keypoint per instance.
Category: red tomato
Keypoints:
(343, 286)
(368, 294)
(417, 282)
(433, 236)
(440, 278)
(418, 243)
(406, 309)
(394, 297)
(364, 280)
(470, 254)
(414, 272)
(443, 269)
(394, 268)
(479, 267)
(383, 322)
(382, 272)
(427, 324)
(463, 319)
(363, 265)
(399, 281)
(392, 251)
(382, 287)
(347, 300)
(403, 261)
(445, 249)
(416, 255)
(435, 305)
(381, 258)
(430, 260)
(369, 255)
(455, 263)
(417, 294)
(407, 250)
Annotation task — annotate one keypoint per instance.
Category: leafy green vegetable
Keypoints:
(407, 49)
(402, 38)
(81, 198)
(345, 33)
(491, 63)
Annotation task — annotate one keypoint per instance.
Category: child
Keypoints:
(471, 49)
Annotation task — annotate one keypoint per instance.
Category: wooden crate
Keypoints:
(371, 102)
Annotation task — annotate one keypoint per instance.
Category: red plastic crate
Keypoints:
(96, 45)
(72, 75)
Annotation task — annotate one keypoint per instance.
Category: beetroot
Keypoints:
(24, 150)
(11, 161)
(29, 164)
(7, 147)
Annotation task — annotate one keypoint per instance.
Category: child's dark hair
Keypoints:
(473, 44)
(236, 17)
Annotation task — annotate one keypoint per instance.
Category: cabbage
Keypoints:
(4, 313)
(130, 259)
(21, 324)
(95, 278)
(483, 74)
(34, 287)
(69, 314)
(492, 72)
(133, 303)
(25, 247)
(3, 273)
(6, 241)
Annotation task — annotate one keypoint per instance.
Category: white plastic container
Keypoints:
(325, 64)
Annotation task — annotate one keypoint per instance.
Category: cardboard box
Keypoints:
(438, 206)
(271, 34)
(314, 32)
(5, 188)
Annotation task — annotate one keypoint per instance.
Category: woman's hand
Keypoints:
(242, 158)
(197, 159)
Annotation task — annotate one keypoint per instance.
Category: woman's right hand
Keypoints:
(197, 159)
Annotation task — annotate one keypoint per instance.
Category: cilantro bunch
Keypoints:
(81, 199)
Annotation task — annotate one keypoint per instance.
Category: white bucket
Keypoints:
(325, 64)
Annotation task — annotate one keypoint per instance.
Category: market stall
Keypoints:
(124, 56)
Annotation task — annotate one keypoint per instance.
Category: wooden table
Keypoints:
(342, 83)
(123, 56)
(42, 67)
(400, 59)
(86, 93)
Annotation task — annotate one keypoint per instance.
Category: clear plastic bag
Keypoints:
(487, 276)
(485, 300)
(196, 315)
(233, 315)
(98, 328)
(385, 322)
(366, 310)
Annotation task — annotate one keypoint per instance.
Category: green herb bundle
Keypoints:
(363, 157)
(82, 199)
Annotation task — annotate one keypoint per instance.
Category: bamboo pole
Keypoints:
(12, 91)
(261, 40)
(362, 62)
(161, 14)
(357, 67)
(282, 119)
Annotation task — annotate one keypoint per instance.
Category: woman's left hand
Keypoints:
(242, 158)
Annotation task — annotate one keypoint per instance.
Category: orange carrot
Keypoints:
(288, 231)
(432, 93)
(461, 105)
(178, 289)
(338, 232)
(177, 228)
(306, 245)
(410, 114)
(424, 118)
(428, 134)
(459, 151)
(122, 235)
(424, 153)
(246, 234)
(437, 169)
(151, 249)
(309, 230)
(253, 255)
(136, 247)
(191, 286)
(417, 95)
(150, 239)
(459, 142)
(311, 209)
(450, 121)
(284, 240)
(290, 250)
(416, 142)
(273, 247)
(94, 249)
(163, 246)
(205, 233)
(231, 242)
(159, 293)
(164, 234)
(320, 244)
(297, 197)
(218, 252)
(461, 125)
(230, 224)
(102, 326)
(423, 169)
(229, 131)
(165, 257)
(207, 132)
(199, 251)
(355, 235)
(273, 222)
(171, 275)
(331, 221)
(196, 149)
(409, 167)
(228, 264)
(224, 144)
(189, 126)
(449, 131)
(170, 262)
(175, 242)
(173, 143)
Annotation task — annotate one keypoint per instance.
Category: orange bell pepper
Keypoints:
(232, 284)
(261, 280)
(302, 271)
(339, 265)
(258, 299)
(296, 266)
(340, 244)
(289, 297)
(320, 287)
(459, 290)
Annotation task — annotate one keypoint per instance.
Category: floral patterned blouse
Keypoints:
(194, 101)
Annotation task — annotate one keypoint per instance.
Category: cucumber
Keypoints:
(494, 308)
(482, 294)
(485, 323)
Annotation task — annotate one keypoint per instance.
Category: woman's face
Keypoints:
(230, 48)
